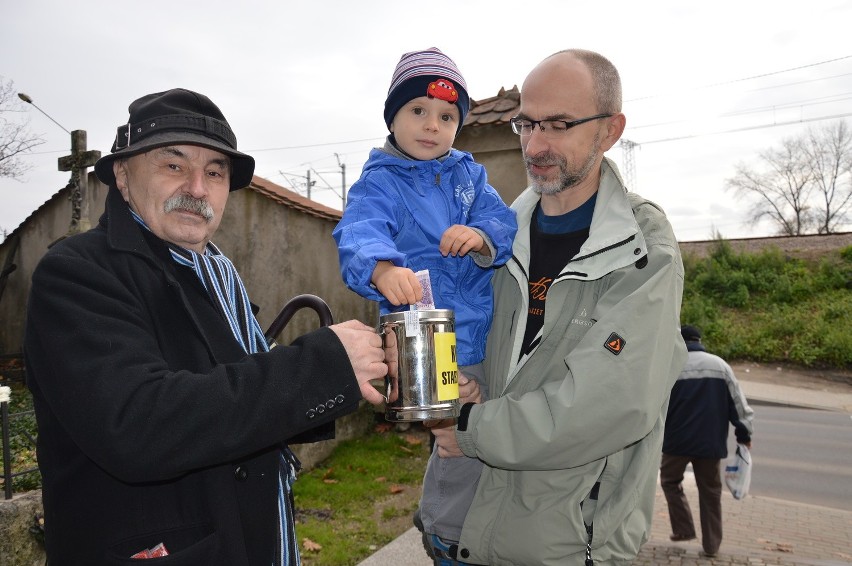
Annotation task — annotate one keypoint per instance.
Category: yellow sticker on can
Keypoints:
(446, 367)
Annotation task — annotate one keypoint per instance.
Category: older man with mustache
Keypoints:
(163, 414)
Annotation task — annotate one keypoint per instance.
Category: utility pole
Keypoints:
(77, 163)
(627, 147)
(308, 177)
(343, 181)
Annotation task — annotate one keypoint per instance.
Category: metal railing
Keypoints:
(6, 419)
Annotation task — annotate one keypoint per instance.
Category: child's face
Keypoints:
(426, 127)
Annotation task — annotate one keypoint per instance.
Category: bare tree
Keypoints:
(15, 136)
(829, 157)
(783, 189)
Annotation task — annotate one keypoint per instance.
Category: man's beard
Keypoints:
(190, 204)
(568, 176)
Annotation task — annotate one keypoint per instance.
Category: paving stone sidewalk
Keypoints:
(757, 530)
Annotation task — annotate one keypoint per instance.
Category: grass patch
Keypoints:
(771, 308)
(362, 497)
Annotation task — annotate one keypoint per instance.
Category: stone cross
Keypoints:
(77, 163)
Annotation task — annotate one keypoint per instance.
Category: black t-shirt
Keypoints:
(554, 240)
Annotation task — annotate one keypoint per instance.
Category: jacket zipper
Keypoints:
(589, 561)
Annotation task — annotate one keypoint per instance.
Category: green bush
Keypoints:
(771, 308)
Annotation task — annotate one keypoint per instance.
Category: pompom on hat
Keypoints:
(176, 117)
(422, 73)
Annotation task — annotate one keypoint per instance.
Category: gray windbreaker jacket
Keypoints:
(587, 406)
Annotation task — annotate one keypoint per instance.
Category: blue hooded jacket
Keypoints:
(399, 209)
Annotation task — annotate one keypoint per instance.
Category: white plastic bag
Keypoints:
(738, 472)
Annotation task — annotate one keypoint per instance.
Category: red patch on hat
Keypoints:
(442, 89)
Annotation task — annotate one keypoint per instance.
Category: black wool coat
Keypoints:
(154, 424)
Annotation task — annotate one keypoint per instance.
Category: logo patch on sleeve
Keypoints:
(615, 343)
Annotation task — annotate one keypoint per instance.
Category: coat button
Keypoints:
(339, 399)
(311, 413)
(241, 474)
(329, 404)
(320, 409)
(465, 553)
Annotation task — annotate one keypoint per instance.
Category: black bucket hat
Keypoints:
(176, 117)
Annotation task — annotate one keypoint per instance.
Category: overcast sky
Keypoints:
(706, 85)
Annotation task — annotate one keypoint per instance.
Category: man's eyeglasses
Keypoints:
(550, 128)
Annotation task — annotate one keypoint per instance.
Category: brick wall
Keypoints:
(806, 247)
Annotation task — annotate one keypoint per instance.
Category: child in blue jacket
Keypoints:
(422, 205)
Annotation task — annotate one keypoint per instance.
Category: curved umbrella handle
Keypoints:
(293, 305)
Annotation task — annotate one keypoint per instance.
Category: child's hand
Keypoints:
(399, 285)
(459, 239)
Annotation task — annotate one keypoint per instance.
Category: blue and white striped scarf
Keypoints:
(225, 287)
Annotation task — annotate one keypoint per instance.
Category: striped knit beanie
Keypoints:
(422, 73)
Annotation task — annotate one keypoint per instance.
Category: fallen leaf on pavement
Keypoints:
(413, 440)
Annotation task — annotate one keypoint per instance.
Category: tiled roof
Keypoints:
(495, 110)
(292, 199)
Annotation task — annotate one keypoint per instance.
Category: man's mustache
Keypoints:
(542, 160)
(190, 204)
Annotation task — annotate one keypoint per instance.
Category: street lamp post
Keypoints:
(29, 100)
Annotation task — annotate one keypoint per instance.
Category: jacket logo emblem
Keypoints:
(615, 343)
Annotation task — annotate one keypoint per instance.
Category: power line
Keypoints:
(810, 102)
(800, 82)
(782, 71)
(748, 128)
(758, 110)
(743, 79)
(311, 145)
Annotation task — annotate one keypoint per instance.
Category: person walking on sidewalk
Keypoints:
(705, 398)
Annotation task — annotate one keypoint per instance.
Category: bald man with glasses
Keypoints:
(585, 344)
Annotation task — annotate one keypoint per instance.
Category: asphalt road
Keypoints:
(802, 455)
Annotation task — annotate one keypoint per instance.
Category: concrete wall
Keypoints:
(499, 151)
(282, 252)
(43, 227)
